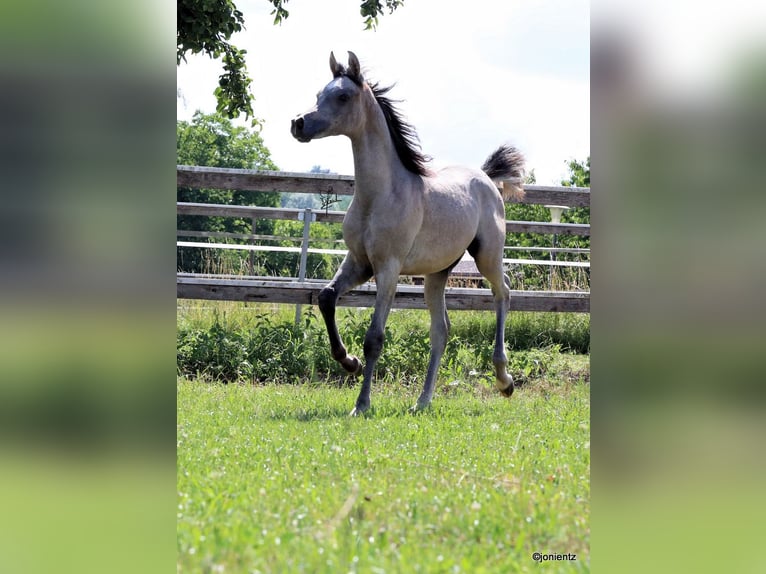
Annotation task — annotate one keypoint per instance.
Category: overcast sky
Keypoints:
(472, 76)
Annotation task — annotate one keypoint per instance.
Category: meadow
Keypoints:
(273, 476)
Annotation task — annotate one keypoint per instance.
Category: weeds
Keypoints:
(229, 342)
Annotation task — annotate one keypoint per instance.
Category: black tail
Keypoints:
(506, 163)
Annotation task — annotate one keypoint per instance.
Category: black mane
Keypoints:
(404, 136)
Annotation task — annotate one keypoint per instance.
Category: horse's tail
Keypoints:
(506, 163)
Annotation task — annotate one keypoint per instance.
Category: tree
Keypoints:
(579, 173)
(529, 276)
(317, 201)
(527, 212)
(212, 140)
(326, 235)
(579, 176)
(206, 26)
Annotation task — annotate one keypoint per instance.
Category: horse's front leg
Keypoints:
(385, 280)
(434, 296)
(350, 274)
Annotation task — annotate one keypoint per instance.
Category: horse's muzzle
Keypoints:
(296, 128)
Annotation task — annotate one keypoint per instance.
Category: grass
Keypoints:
(275, 477)
(232, 342)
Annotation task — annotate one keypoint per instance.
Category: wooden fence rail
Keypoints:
(191, 286)
(269, 181)
(300, 291)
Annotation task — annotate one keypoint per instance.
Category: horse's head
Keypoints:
(339, 109)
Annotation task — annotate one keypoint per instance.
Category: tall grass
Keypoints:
(530, 277)
(234, 341)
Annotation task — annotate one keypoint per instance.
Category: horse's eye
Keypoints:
(343, 98)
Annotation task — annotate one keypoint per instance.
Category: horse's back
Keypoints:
(459, 205)
(469, 187)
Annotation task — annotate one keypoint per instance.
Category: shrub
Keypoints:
(249, 343)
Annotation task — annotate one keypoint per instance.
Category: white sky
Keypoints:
(472, 76)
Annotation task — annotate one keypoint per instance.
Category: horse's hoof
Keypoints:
(353, 365)
(358, 411)
(507, 391)
(419, 408)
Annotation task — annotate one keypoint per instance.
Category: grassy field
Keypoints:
(273, 476)
(277, 478)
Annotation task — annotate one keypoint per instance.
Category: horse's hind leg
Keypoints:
(434, 296)
(348, 276)
(490, 264)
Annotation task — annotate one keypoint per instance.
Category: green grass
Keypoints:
(277, 478)
(274, 477)
(232, 342)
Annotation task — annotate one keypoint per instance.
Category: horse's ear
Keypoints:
(336, 68)
(354, 70)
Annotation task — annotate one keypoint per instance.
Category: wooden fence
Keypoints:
(300, 291)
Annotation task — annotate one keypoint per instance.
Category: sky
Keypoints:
(471, 76)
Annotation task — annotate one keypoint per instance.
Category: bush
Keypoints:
(249, 344)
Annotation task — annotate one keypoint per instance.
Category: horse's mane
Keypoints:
(404, 136)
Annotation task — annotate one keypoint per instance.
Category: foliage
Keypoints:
(318, 266)
(206, 26)
(579, 176)
(244, 343)
(319, 201)
(579, 173)
(316, 201)
(370, 9)
(212, 140)
(279, 12)
(534, 277)
(279, 479)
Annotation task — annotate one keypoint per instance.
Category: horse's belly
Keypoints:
(424, 259)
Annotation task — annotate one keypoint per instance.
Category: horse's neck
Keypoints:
(377, 167)
(374, 168)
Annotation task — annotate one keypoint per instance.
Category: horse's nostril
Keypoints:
(296, 129)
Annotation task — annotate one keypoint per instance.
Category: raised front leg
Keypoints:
(385, 279)
(437, 308)
(350, 274)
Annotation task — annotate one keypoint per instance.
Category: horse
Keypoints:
(407, 219)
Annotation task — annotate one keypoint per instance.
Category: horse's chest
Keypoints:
(373, 238)
(353, 235)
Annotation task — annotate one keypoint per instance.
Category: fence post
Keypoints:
(307, 216)
(252, 253)
(556, 211)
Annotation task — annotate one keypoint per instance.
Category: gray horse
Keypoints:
(408, 220)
